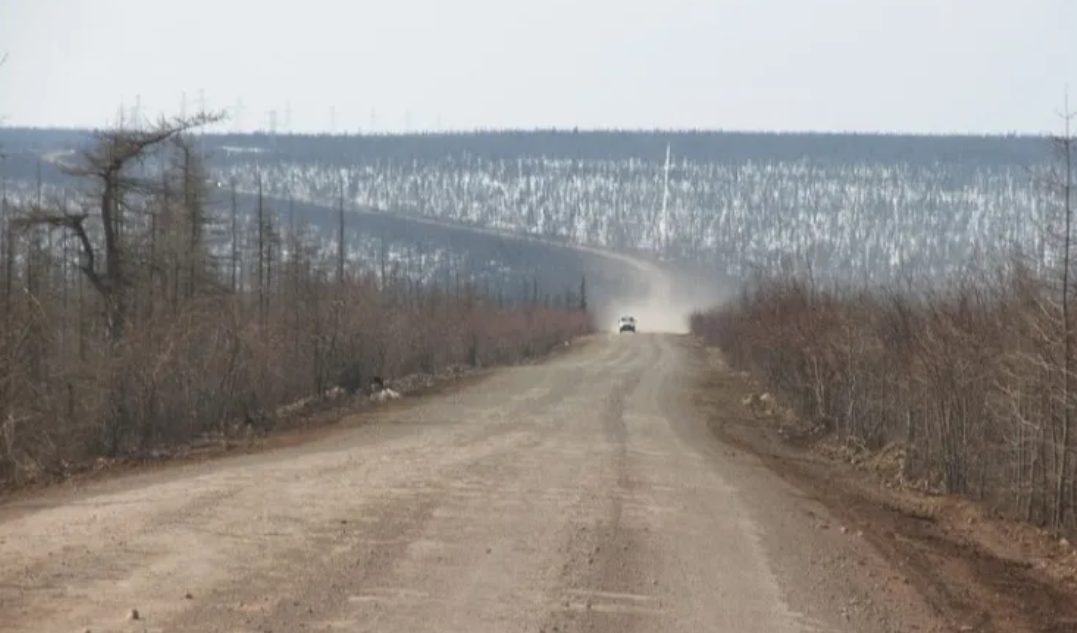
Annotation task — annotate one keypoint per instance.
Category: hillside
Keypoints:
(859, 207)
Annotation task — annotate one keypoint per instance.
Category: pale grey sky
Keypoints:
(864, 65)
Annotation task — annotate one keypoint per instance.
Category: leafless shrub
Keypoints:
(968, 378)
(974, 379)
(128, 336)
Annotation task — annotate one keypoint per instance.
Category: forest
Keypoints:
(897, 291)
(848, 207)
(969, 379)
(139, 316)
(845, 206)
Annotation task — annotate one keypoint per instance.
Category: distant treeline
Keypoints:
(703, 146)
(870, 207)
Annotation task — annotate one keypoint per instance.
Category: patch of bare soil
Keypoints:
(980, 571)
(298, 423)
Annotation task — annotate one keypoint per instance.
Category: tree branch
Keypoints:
(74, 222)
(116, 147)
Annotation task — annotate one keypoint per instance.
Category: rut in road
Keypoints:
(573, 495)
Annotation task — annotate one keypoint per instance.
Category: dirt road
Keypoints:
(584, 494)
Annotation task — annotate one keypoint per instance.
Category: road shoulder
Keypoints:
(317, 420)
(978, 572)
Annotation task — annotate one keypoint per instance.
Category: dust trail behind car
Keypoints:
(663, 303)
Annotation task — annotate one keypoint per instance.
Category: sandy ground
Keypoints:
(583, 494)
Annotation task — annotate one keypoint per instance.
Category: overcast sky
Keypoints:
(866, 65)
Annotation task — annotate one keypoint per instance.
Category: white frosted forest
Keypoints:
(865, 220)
(884, 208)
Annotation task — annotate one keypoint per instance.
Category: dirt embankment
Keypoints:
(301, 422)
(980, 571)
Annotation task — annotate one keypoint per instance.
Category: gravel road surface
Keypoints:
(582, 494)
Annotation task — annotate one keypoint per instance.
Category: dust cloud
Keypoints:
(664, 301)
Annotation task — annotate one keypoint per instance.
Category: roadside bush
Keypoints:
(121, 342)
(970, 379)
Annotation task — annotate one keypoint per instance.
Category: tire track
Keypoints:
(603, 563)
(567, 496)
(364, 566)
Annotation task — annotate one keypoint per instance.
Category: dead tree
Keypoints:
(260, 217)
(8, 248)
(234, 264)
(7, 244)
(194, 206)
(1064, 146)
(340, 236)
(107, 163)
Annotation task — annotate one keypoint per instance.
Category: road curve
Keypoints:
(583, 494)
(657, 303)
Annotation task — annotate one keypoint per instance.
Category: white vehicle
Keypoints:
(626, 324)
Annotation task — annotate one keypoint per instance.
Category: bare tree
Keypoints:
(194, 207)
(234, 260)
(1064, 148)
(262, 220)
(6, 243)
(972, 381)
(108, 162)
(138, 377)
(341, 248)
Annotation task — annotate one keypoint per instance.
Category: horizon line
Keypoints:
(208, 131)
